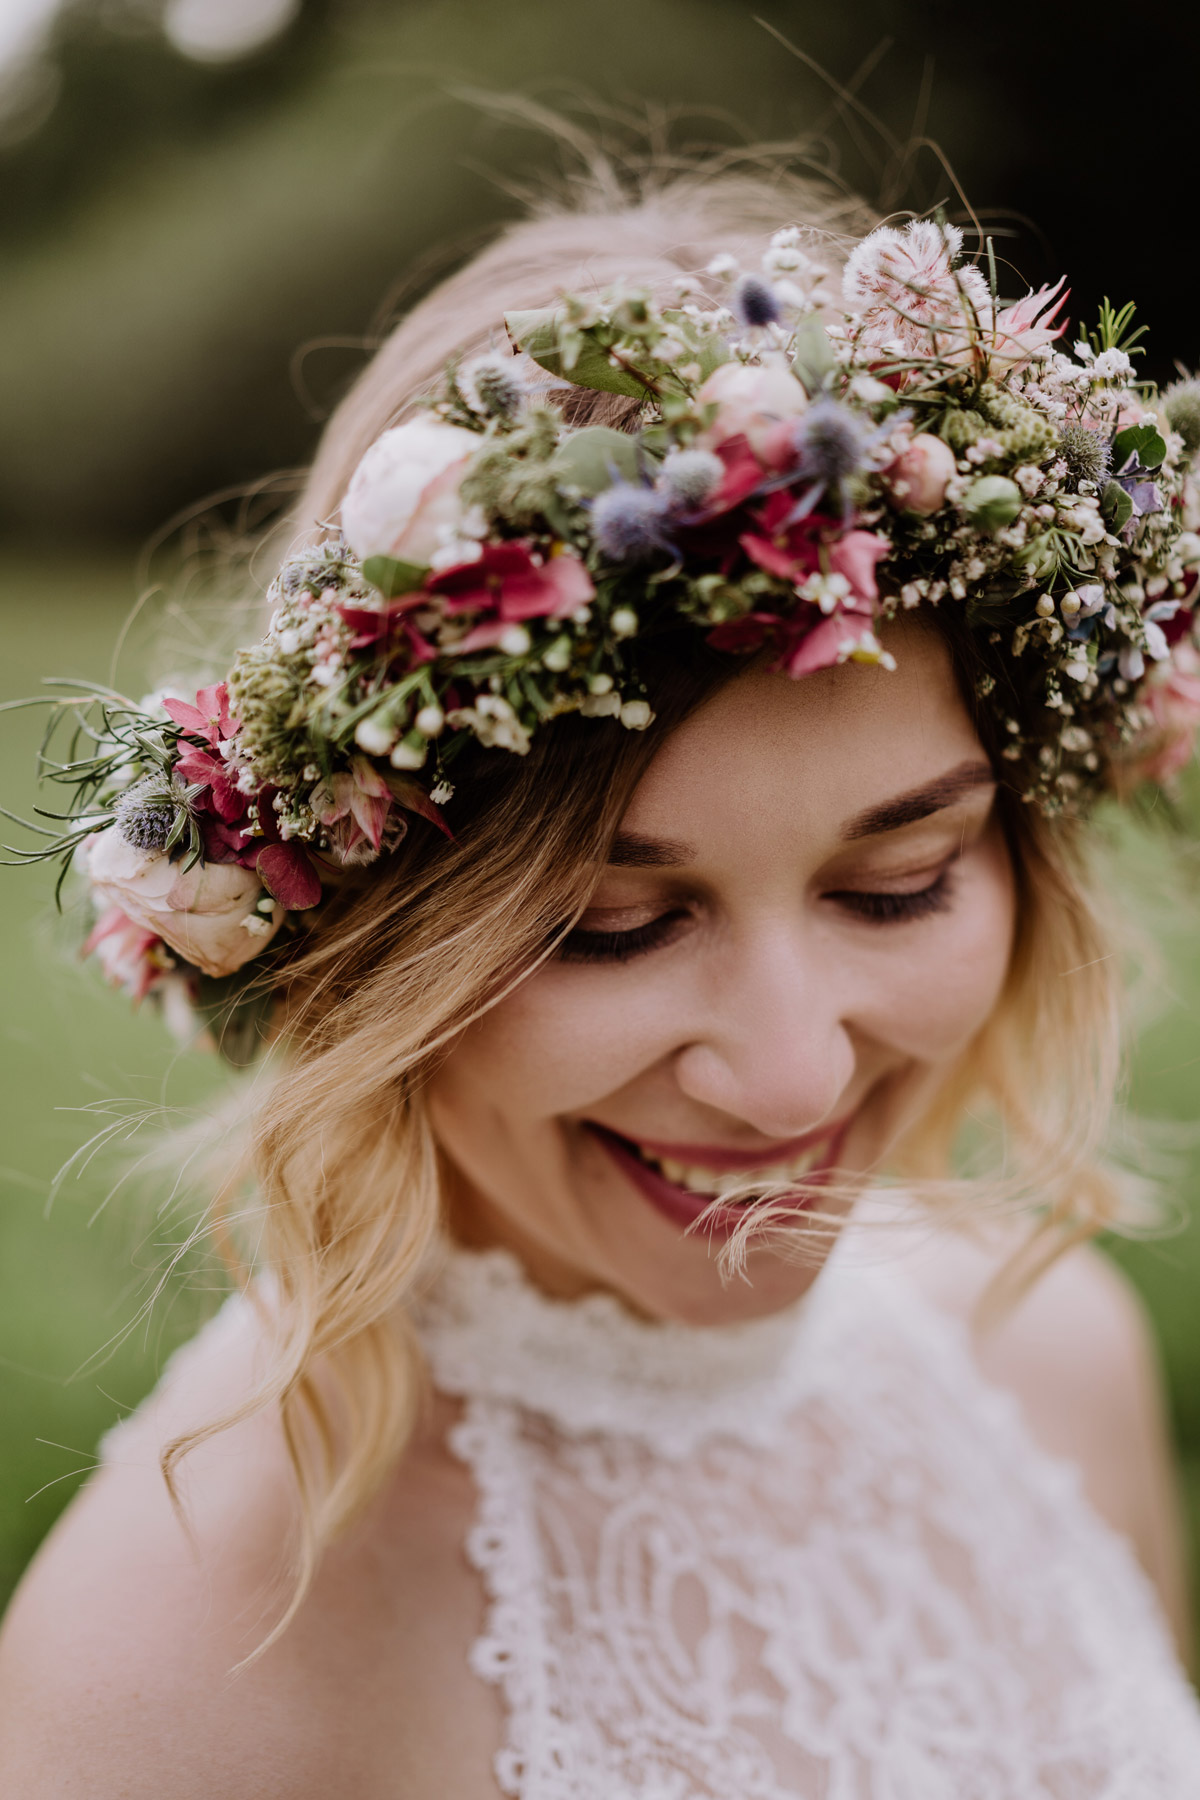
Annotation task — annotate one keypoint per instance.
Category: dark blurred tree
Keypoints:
(174, 232)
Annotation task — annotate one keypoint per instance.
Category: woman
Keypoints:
(655, 821)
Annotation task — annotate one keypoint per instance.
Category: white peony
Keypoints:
(208, 914)
(750, 399)
(403, 497)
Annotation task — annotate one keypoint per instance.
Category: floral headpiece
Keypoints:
(791, 476)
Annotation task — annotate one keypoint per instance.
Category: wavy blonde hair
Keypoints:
(340, 1149)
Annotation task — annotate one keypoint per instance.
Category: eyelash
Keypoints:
(877, 909)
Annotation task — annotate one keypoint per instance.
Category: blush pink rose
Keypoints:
(1172, 698)
(917, 480)
(208, 914)
(751, 402)
(403, 498)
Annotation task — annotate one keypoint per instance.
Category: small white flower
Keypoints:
(407, 756)
(374, 737)
(515, 641)
(430, 721)
(1157, 646)
(724, 267)
(601, 706)
(600, 684)
(827, 591)
(635, 715)
(624, 622)
(1112, 365)
(1131, 663)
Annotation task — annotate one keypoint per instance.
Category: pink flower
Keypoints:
(1172, 698)
(354, 806)
(1021, 331)
(801, 548)
(917, 480)
(210, 718)
(211, 721)
(507, 584)
(908, 294)
(403, 498)
(126, 952)
(752, 402)
(209, 914)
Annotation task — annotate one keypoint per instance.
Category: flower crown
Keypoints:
(790, 478)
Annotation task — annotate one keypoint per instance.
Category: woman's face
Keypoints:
(807, 917)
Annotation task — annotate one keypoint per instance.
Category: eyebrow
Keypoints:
(632, 851)
(920, 802)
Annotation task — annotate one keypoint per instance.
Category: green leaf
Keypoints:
(1116, 506)
(1141, 441)
(586, 363)
(592, 459)
(392, 576)
(812, 359)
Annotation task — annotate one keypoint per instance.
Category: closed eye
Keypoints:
(580, 946)
(883, 908)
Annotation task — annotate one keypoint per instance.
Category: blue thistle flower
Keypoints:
(146, 814)
(1086, 453)
(832, 442)
(630, 522)
(689, 478)
(754, 302)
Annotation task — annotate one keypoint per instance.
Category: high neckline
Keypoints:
(592, 1365)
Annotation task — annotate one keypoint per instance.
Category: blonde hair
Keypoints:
(341, 1151)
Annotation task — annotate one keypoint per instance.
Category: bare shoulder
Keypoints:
(117, 1656)
(1077, 1352)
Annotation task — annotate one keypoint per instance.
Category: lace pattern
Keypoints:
(812, 1556)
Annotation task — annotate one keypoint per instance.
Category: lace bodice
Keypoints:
(815, 1557)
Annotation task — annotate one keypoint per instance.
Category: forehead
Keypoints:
(815, 751)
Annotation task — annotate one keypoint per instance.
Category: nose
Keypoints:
(774, 1050)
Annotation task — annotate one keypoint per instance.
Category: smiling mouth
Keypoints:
(685, 1190)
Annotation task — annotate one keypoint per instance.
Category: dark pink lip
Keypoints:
(683, 1207)
(721, 1161)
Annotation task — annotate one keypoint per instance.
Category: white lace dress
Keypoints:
(815, 1557)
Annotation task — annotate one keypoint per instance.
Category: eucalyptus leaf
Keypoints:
(392, 576)
(1142, 441)
(586, 364)
(812, 359)
(1116, 506)
(592, 459)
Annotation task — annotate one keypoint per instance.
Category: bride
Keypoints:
(653, 822)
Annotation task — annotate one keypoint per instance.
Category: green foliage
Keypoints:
(567, 350)
(1113, 332)
(591, 460)
(1116, 505)
(392, 576)
(1141, 441)
(812, 358)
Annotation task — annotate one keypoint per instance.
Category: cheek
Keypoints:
(945, 985)
(549, 1049)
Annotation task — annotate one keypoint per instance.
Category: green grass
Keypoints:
(73, 1276)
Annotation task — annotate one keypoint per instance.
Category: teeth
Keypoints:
(714, 1183)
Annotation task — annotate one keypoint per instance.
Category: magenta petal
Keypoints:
(818, 649)
(186, 716)
(855, 556)
(288, 876)
(412, 796)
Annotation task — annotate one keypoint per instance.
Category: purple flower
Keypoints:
(630, 523)
(754, 302)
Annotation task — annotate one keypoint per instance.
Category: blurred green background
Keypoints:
(208, 211)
